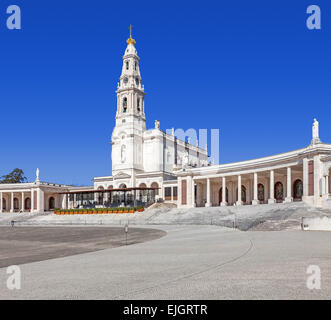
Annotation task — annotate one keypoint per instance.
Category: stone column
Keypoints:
(289, 197)
(12, 202)
(224, 202)
(64, 202)
(208, 203)
(272, 187)
(179, 192)
(32, 201)
(22, 201)
(193, 193)
(239, 202)
(305, 177)
(317, 189)
(1, 203)
(40, 201)
(327, 185)
(255, 198)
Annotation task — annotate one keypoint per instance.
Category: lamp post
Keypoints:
(126, 230)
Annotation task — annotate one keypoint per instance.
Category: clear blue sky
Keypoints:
(250, 68)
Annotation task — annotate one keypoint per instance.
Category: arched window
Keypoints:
(101, 188)
(110, 187)
(155, 185)
(279, 191)
(260, 192)
(125, 104)
(122, 186)
(135, 65)
(27, 203)
(298, 190)
(143, 185)
(127, 65)
(51, 203)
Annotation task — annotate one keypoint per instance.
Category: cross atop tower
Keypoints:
(130, 40)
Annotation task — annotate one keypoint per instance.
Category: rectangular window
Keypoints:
(167, 193)
(174, 193)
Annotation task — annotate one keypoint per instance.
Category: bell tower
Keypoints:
(127, 137)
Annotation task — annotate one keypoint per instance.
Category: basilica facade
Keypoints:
(149, 162)
(140, 157)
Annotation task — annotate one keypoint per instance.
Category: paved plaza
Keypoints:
(189, 262)
(19, 245)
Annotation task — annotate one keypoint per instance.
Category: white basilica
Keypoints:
(176, 171)
(142, 157)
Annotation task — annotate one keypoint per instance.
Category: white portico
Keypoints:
(36, 196)
(301, 175)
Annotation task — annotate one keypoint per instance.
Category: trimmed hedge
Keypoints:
(100, 210)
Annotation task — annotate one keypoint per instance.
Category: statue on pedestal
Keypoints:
(316, 138)
(37, 175)
(185, 160)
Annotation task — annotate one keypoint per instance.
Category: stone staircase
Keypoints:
(261, 217)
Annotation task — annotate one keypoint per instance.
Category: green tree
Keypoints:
(16, 176)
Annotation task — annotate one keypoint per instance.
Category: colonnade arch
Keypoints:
(16, 204)
(283, 184)
(27, 203)
(279, 191)
(297, 190)
(261, 192)
(155, 185)
(51, 203)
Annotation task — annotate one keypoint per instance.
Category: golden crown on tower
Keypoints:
(130, 40)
